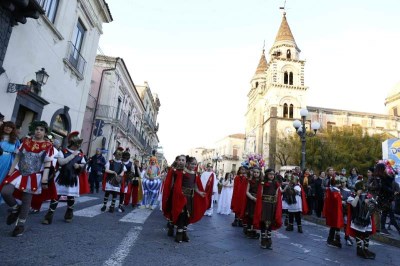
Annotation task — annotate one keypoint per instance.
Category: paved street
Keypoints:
(139, 237)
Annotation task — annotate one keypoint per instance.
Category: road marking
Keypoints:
(279, 235)
(300, 246)
(138, 216)
(45, 205)
(89, 211)
(122, 251)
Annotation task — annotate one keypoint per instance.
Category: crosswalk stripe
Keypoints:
(122, 251)
(90, 212)
(138, 216)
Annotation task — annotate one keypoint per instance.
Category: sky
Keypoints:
(200, 55)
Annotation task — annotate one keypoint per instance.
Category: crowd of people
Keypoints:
(36, 169)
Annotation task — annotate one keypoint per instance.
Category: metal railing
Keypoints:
(122, 119)
(75, 58)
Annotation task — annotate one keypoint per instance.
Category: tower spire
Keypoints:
(262, 64)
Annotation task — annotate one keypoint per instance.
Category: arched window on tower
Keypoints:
(291, 78)
(291, 111)
(285, 78)
(288, 54)
(285, 110)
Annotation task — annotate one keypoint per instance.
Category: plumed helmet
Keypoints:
(36, 124)
(126, 155)
(118, 153)
(74, 139)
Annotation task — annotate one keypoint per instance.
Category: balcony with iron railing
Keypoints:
(122, 119)
(75, 60)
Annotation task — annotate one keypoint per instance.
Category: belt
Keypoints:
(188, 191)
(269, 198)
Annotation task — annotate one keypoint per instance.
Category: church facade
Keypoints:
(278, 93)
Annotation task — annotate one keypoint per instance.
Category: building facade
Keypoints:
(63, 41)
(116, 114)
(278, 93)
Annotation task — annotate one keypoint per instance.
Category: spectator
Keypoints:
(351, 181)
(319, 193)
(1, 119)
(96, 167)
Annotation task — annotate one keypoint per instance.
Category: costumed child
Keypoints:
(210, 185)
(225, 198)
(251, 193)
(115, 170)
(268, 210)
(134, 185)
(34, 160)
(184, 200)
(345, 192)
(151, 183)
(126, 156)
(239, 193)
(296, 203)
(333, 209)
(71, 163)
(285, 182)
(360, 219)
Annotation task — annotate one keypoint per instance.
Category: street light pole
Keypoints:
(302, 132)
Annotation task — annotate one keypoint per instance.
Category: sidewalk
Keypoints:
(393, 239)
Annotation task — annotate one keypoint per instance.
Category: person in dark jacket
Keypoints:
(96, 166)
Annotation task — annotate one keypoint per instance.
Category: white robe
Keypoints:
(204, 178)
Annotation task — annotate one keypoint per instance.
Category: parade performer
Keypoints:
(126, 160)
(34, 159)
(71, 163)
(210, 185)
(360, 219)
(285, 182)
(9, 145)
(225, 199)
(115, 170)
(268, 209)
(251, 193)
(296, 203)
(134, 186)
(239, 193)
(333, 210)
(345, 192)
(184, 200)
(151, 183)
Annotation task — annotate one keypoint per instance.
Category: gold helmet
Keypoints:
(74, 139)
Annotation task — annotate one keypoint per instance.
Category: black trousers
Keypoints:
(94, 180)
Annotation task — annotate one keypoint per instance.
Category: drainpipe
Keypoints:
(97, 103)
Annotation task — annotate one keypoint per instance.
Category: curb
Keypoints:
(389, 240)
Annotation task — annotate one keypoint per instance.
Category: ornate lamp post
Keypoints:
(216, 159)
(41, 79)
(301, 130)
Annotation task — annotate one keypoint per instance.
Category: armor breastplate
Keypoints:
(188, 180)
(253, 187)
(116, 167)
(31, 162)
(269, 190)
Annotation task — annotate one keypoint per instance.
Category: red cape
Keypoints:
(303, 201)
(258, 209)
(333, 210)
(178, 199)
(240, 200)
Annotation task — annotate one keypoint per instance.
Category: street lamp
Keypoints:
(216, 159)
(300, 127)
(41, 79)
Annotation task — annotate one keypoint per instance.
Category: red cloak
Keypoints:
(304, 204)
(277, 223)
(239, 199)
(333, 209)
(209, 189)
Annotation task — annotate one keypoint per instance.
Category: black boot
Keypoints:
(103, 208)
(286, 222)
(13, 216)
(263, 243)
(235, 223)
(179, 236)
(299, 229)
(337, 240)
(369, 254)
(330, 241)
(245, 229)
(269, 240)
(360, 251)
(48, 218)
(289, 227)
(69, 214)
(111, 209)
(185, 237)
(240, 224)
(170, 229)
